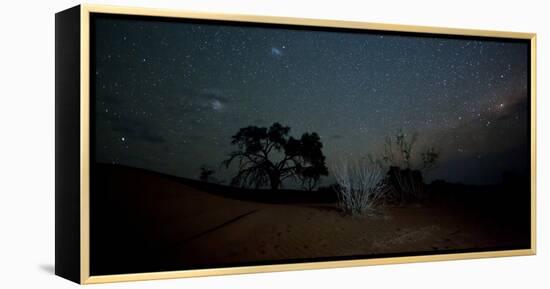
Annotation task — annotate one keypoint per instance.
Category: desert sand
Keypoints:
(148, 222)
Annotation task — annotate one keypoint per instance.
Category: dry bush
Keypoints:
(360, 186)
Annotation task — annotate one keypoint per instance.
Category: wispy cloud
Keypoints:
(276, 52)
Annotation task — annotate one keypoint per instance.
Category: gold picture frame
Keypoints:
(83, 276)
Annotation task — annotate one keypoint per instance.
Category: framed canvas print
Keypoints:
(193, 144)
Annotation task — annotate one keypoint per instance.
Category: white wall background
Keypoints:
(27, 144)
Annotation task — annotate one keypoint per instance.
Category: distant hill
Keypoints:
(260, 195)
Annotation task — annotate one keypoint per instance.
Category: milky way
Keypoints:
(169, 95)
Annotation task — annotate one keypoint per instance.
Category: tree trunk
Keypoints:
(275, 180)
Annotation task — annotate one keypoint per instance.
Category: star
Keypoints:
(459, 93)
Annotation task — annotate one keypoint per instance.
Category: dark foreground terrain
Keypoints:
(143, 221)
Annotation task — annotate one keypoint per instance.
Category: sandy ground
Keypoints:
(187, 227)
(202, 228)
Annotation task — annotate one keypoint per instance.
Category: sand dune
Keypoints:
(172, 225)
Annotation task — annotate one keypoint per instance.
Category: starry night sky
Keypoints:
(169, 95)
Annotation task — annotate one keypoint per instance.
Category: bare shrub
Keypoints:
(407, 184)
(405, 165)
(360, 186)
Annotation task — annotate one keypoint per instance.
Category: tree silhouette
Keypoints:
(268, 156)
(205, 174)
(312, 161)
(404, 168)
(399, 152)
